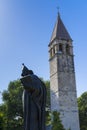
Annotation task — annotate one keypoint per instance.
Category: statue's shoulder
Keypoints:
(33, 76)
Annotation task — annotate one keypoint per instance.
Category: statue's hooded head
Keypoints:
(25, 71)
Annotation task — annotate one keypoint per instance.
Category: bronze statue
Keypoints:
(34, 100)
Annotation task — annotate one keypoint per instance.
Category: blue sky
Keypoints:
(25, 30)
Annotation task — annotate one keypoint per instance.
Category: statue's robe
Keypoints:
(34, 101)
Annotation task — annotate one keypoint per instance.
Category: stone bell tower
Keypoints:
(62, 76)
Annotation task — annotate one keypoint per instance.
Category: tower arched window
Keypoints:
(67, 49)
(54, 50)
(51, 53)
(60, 48)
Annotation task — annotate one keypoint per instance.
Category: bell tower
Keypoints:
(62, 76)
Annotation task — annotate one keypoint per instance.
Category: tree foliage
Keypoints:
(1, 121)
(12, 106)
(82, 105)
(56, 122)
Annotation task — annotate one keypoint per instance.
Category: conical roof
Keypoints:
(60, 32)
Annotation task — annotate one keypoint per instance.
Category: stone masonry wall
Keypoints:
(63, 90)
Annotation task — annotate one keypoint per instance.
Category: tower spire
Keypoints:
(60, 31)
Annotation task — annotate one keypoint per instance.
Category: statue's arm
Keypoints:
(31, 83)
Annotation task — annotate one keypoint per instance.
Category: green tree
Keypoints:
(12, 105)
(82, 105)
(1, 121)
(56, 122)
